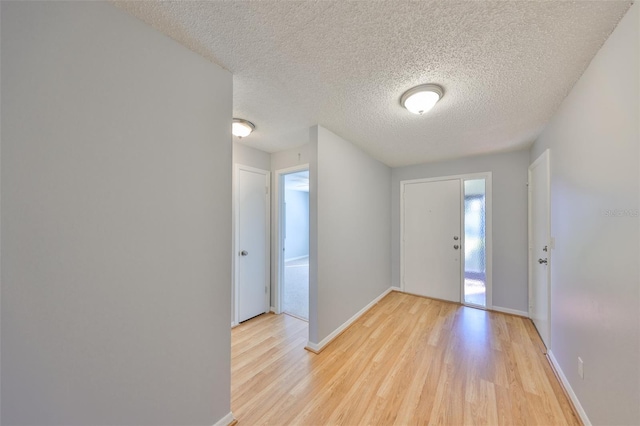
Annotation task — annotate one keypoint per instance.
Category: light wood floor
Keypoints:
(407, 361)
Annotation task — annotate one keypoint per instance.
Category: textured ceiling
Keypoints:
(505, 67)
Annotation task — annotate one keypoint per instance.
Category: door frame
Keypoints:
(544, 157)
(279, 230)
(236, 237)
(488, 230)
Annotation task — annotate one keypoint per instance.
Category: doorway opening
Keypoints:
(294, 238)
(475, 247)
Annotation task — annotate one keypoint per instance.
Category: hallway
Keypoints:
(408, 360)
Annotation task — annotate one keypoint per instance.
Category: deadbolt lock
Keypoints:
(455, 238)
(455, 247)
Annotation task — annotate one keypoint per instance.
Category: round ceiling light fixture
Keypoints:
(421, 99)
(242, 128)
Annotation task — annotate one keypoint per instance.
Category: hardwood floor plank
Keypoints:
(409, 360)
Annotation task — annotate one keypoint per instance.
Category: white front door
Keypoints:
(252, 242)
(539, 247)
(431, 239)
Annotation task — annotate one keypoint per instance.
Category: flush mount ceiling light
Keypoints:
(242, 128)
(421, 99)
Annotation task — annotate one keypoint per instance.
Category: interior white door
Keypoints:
(431, 239)
(539, 247)
(252, 242)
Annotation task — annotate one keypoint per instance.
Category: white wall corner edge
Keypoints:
(510, 311)
(226, 420)
(317, 347)
(568, 389)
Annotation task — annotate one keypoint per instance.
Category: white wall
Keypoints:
(593, 140)
(297, 224)
(116, 195)
(353, 238)
(509, 214)
(303, 154)
(252, 157)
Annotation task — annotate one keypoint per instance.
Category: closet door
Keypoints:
(252, 228)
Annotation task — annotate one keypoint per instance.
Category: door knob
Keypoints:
(455, 238)
(244, 253)
(543, 261)
(455, 247)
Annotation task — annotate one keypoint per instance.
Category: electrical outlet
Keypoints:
(580, 368)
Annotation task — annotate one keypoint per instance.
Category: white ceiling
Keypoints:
(505, 67)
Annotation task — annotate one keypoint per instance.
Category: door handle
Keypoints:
(455, 247)
(244, 253)
(543, 261)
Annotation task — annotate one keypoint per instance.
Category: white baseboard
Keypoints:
(296, 258)
(273, 309)
(317, 347)
(396, 289)
(234, 324)
(569, 389)
(226, 420)
(510, 311)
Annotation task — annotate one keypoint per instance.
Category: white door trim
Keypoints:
(488, 228)
(279, 230)
(236, 236)
(545, 156)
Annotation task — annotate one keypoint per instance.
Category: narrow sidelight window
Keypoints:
(475, 270)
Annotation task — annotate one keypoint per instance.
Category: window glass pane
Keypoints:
(474, 242)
